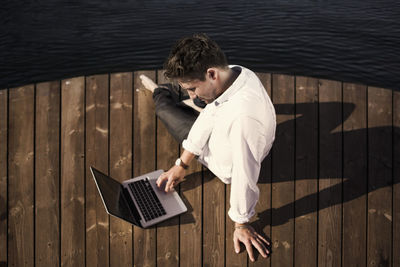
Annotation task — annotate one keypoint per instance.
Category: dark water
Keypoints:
(348, 40)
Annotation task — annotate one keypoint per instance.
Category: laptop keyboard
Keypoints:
(146, 198)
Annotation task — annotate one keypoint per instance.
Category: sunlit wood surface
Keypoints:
(330, 188)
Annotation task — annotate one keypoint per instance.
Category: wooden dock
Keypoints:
(330, 188)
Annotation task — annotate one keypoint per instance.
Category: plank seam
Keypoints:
(155, 166)
(108, 161)
(84, 167)
(294, 167)
(393, 164)
(59, 174)
(272, 178)
(156, 130)
(7, 169)
(318, 171)
(34, 173)
(367, 175)
(342, 179)
(133, 156)
(270, 189)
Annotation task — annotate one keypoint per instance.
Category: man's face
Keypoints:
(204, 90)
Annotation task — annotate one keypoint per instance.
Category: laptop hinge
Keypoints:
(132, 207)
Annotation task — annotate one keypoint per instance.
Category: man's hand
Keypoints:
(172, 177)
(248, 236)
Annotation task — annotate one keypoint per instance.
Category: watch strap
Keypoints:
(180, 162)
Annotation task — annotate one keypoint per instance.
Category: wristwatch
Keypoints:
(179, 162)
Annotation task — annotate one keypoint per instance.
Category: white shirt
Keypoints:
(232, 136)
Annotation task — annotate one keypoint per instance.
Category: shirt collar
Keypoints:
(235, 86)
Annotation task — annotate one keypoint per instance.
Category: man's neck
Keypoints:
(228, 77)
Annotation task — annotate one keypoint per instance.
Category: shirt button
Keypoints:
(216, 103)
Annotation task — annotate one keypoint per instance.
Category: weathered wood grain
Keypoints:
(3, 175)
(306, 172)
(168, 231)
(97, 136)
(262, 222)
(144, 147)
(214, 220)
(283, 172)
(120, 162)
(49, 136)
(191, 221)
(21, 176)
(354, 175)
(47, 173)
(72, 172)
(379, 250)
(330, 173)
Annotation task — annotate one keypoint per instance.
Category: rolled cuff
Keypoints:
(240, 218)
(187, 145)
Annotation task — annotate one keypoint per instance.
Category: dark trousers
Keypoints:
(176, 116)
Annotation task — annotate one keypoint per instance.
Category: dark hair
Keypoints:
(190, 58)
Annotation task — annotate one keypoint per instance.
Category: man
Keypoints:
(232, 134)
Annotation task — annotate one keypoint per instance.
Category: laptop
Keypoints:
(138, 201)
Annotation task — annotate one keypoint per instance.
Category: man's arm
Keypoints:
(193, 145)
(248, 144)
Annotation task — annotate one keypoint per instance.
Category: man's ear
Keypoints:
(212, 73)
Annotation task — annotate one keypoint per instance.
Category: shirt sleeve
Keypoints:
(199, 133)
(248, 141)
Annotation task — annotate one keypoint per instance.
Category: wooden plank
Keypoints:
(120, 161)
(330, 173)
(47, 182)
(21, 177)
(262, 222)
(379, 248)
(306, 172)
(144, 162)
(168, 231)
(191, 221)
(396, 179)
(3, 175)
(354, 175)
(97, 220)
(72, 172)
(214, 220)
(233, 259)
(283, 172)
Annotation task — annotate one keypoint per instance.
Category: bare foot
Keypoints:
(148, 83)
(189, 102)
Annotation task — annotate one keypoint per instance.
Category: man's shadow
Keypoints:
(354, 143)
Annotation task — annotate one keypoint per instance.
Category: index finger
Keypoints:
(161, 179)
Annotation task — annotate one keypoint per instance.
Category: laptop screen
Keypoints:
(113, 196)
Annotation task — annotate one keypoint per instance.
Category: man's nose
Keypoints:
(192, 95)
